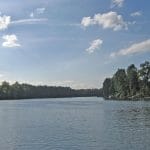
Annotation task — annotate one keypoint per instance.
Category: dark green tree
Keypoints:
(5, 90)
(133, 82)
(144, 74)
(107, 87)
(130, 83)
(120, 82)
(25, 91)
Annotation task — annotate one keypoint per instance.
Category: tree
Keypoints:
(107, 87)
(133, 82)
(5, 90)
(144, 74)
(120, 82)
(130, 83)
(17, 90)
(25, 91)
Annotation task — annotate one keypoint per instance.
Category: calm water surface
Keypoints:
(74, 124)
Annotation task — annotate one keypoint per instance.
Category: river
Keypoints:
(74, 124)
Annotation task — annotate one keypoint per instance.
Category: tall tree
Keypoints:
(132, 75)
(121, 84)
(5, 90)
(107, 84)
(144, 73)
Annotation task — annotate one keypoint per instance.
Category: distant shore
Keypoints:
(109, 99)
(47, 98)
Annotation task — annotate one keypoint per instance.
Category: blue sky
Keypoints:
(71, 42)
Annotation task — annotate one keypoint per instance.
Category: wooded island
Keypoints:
(131, 83)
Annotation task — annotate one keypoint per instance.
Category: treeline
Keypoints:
(26, 91)
(131, 83)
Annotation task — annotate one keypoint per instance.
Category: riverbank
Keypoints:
(128, 98)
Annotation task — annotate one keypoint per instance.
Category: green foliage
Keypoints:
(120, 84)
(144, 74)
(130, 83)
(107, 87)
(25, 91)
(133, 81)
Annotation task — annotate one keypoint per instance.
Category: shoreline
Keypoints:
(105, 99)
(129, 99)
(47, 98)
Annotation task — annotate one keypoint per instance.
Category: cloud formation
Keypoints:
(96, 44)
(107, 20)
(87, 21)
(40, 10)
(1, 75)
(31, 15)
(37, 11)
(140, 47)
(29, 21)
(4, 22)
(10, 41)
(117, 3)
(135, 14)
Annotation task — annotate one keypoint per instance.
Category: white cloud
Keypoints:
(10, 41)
(117, 3)
(32, 15)
(140, 47)
(107, 20)
(29, 21)
(96, 44)
(137, 13)
(1, 75)
(40, 10)
(87, 21)
(37, 12)
(4, 22)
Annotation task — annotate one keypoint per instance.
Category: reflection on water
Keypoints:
(74, 124)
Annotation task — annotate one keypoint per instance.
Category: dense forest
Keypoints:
(132, 83)
(26, 91)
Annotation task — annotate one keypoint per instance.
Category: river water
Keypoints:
(74, 124)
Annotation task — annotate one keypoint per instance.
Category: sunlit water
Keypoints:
(74, 124)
